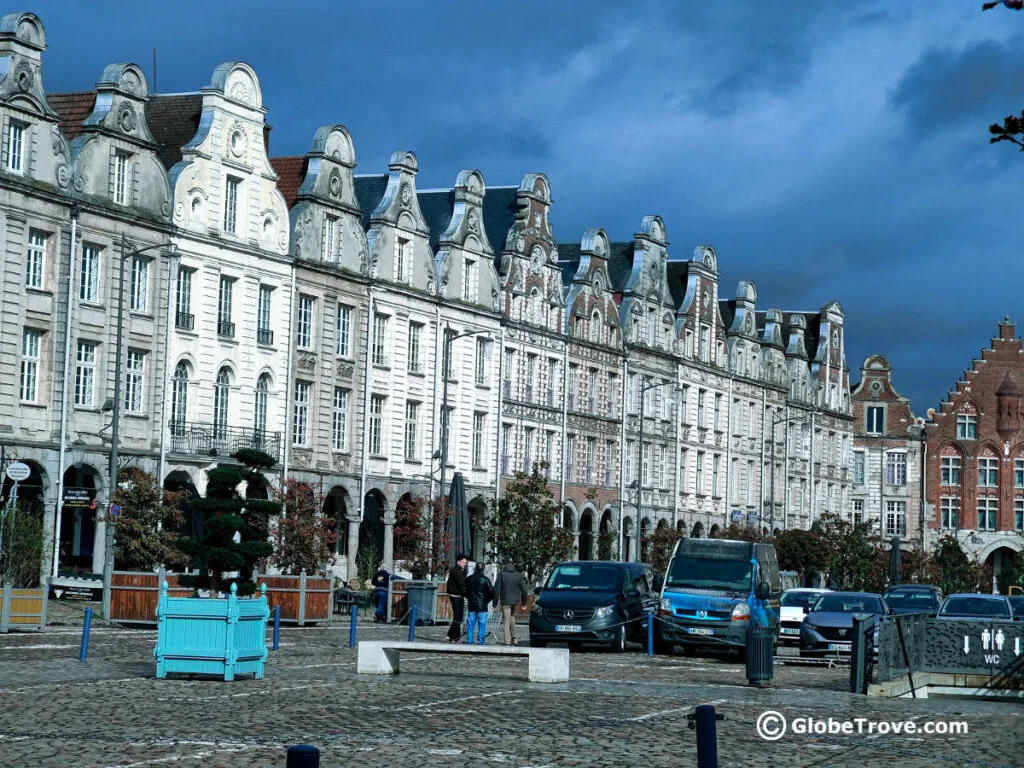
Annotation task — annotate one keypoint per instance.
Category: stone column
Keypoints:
(353, 547)
(389, 541)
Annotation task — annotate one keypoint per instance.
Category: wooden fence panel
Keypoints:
(22, 608)
(303, 599)
(134, 595)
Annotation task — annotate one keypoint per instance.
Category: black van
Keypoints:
(593, 601)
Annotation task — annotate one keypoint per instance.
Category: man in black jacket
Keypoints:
(479, 593)
(456, 593)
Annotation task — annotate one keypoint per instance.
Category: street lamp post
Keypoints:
(776, 420)
(115, 424)
(644, 389)
(446, 361)
(924, 469)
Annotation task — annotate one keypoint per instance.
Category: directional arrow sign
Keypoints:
(1016, 646)
(967, 644)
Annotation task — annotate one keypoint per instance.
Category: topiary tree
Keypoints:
(660, 545)
(235, 529)
(304, 537)
(607, 545)
(149, 523)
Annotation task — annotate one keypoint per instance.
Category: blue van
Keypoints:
(713, 590)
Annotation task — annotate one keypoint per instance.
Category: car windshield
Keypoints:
(918, 600)
(798, 599)
(598, 578)
(848, 604)
(709, 573)
(976, 606)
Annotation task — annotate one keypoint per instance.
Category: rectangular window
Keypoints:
(481, 362)
(629, 470)
(35, 259)
(300, 413)
(750, 482)
(120, 178)
(528, 434)
(183, 317)
(402, 264)
(15, 147)
(380, 337)
(631, 393)
(950, 470)
(705, 343)
(988, 469)
(89, 285)
(858, 511)
(342, 343)
(716, 462)
(1018, 514)
(552, 380)
(140, 284)
(949, 507)
(751, 419)
(609, 461)
(339, 420)
(415, 333)
(700, 407)
(304, 322)
(263, 333)
(858, 467)
(30, 344)
(468, 280)
(225, 298)
(376, 424)
(987, 508)
(895, 518)
(591, 389)
(412, 424)
(1018, 473)
(327, 245)
(506, 446)
(478, 440)
(874, 418)
(570, 457)
(549, 453)
(231, 204)
(590, 458)
(896, 468)
(699, 474)
(85, 374)
(966, 427)
(135, 369)
(718, 413)
(530, 377)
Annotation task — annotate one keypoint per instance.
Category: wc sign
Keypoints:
(992, 644)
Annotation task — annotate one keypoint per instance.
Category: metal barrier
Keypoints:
(862, 652)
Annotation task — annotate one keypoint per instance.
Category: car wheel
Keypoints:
(662, 647)
(619, 643)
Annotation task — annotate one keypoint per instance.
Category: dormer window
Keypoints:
(468, 280)
(330, 225)
(403, 260)
(121, 178)
(14, 160)
(231, 204)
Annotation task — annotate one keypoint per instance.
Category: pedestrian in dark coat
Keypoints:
(479, 594)
(510, 590)
(381, 580)
(457, 595)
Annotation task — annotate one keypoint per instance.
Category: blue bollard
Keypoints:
(650, 633)
(707, 736)
(352, 629)
(277, 627)
(412, 623)
(303, 756)
(86, 626)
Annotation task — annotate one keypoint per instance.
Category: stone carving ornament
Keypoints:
(126, 118)
(473, 222)
(306, 362)
(130, 82)
(237, 139)
(405, 194)
(346, 370)
(24, 78)
(334, 184)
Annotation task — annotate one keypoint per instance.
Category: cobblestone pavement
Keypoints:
(616, 710)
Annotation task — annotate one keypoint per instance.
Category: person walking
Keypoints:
(479, 594)
(457, 594)
(381, 580)
(509, 591)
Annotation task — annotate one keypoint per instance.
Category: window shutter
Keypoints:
(111, 166)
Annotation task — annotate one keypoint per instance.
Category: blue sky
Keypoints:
(827, 150)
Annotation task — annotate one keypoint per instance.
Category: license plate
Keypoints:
(788, 631)
(839, 646)
(700, 631)
(567, 627)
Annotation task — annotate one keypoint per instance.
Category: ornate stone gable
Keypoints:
(589, 299)
(646, 310)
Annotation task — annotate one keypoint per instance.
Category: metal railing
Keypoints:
(208, 439)
(185, 321)
(264, 336)
(226, 329)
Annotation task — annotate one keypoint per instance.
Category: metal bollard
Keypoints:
(86, 626)
(704, 719)
(760, 656)
(650, 633)
(412, 623)
(277, 627)
(303, 756)
(352, 628)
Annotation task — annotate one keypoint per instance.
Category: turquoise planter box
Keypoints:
(211, 636)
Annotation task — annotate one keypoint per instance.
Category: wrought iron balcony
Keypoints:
(195, 439)
(225, 329)
(185, 321)
(264, 336)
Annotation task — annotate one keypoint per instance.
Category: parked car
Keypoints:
(975, 606)
(828, 627)
(713, 589)
(593, 601)
(795, 603)
(1017, 605)
(913, 598)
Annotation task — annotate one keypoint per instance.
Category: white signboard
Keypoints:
(18, 471)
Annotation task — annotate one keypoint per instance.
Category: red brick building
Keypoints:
(975, 464)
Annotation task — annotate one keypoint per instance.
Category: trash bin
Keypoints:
(421, 596)
(760, 655)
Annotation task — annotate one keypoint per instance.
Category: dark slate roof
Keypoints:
(436, 205)
(499, 214)
(173, 120)
(73, 109)
(678, 272)
(727, 309)
(620, 264)
(291, 171)
(810, 335)
(369, 192)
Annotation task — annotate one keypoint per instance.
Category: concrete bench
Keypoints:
(380, 657)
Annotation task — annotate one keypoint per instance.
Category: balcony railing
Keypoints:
(186, 321)
(196, 439)
(264, 336)
(226, 329)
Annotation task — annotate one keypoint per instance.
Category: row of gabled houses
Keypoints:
(337, 320)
